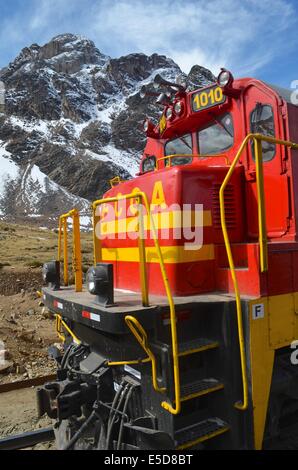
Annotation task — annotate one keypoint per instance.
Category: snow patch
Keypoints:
(9, 171)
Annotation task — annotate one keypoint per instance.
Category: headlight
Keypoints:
(51, 274)
(100, 283)
(91, 287)
(225, 78)
(169, 113)
(178, 107)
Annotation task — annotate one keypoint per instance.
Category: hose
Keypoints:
(81, 431)
(100, 435)
(122, 417)
(66, 354)
(113, 415)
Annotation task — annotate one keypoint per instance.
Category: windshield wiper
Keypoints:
(221, 124)
(185, 143)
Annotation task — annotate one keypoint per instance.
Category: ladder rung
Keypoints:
(200, 432)
(196, 345)
(200, 388)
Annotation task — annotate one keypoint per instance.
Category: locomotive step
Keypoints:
(200, 432)
(199, 388)
(196, 345)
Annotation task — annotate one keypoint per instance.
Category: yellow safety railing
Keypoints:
(189, 155)
(60, 324)
(142, 338)
(141, 197)
(77, 256)
(257, 140)
(115, 181)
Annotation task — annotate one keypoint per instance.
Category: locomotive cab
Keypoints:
(181, 337)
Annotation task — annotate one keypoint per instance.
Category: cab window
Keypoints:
(149, 164)
(217, 137)
(180, 146)
(262, 122)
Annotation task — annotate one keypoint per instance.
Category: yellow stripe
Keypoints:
(203, 438)
(202, 348)
(203, 392)
(171, 254)
(162, 220)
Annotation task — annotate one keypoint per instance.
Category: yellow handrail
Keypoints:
(77, 256)
(115, 181)
(142, 251)
(142, 338)
(141, 196)
(257, 139)
(190, 155)
(61, 323)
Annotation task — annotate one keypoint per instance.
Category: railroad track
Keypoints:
(27, 439)
(10, 387)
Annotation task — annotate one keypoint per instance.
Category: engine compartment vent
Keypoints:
(230, 207)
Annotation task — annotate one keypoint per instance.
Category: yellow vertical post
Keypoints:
(261, 206)
(142, 254)
(60, 239)
(167, 406)
(77, 256)
(97, 252)
(65, 245)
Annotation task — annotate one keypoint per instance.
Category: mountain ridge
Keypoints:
(72, 121)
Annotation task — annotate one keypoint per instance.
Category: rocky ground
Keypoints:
(18, 414)
(26, 327)
(26, 332)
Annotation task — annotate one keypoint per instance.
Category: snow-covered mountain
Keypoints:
(72, 121)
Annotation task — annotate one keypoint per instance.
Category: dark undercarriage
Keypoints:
(98, 406)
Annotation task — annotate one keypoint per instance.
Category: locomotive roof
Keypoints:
(284, 93)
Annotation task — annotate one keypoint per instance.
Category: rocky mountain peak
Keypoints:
(67, 53)
(73, 121)
(200, 76)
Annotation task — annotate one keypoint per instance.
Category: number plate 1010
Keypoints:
(207, 98)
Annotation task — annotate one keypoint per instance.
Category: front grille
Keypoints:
(230, 207)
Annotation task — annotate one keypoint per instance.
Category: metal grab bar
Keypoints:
(77, 256)
(61, 323)
(190, 155)
(141, 196)
(141, 336)
(257, 139)
(142, 252)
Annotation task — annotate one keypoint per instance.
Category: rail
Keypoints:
(60, 323)
(142, 338)
(141, 197)
(115, 181)
(189, 155)
(257, 140)
(27, 439)
(77, 256)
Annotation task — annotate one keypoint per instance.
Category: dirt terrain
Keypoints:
(26, 331)
(18, 414)
(27, 328)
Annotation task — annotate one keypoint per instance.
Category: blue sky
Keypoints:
(250, 37)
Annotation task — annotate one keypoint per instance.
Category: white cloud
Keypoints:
(243, 35)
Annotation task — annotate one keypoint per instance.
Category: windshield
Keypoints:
(217, 136)
(180, 146)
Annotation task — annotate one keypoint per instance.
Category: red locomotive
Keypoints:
(207, 234)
